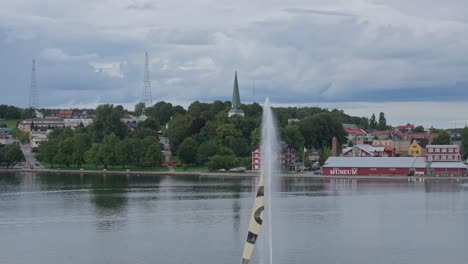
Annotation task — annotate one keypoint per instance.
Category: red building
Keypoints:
(287, 157)
(447, 153)
(362, 166)
(440, 160)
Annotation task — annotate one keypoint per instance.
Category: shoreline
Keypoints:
(302, 175)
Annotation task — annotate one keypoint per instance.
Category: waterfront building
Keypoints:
(364, 166)
(382, 142)
(77, 122)
(414, 149)
(28, 125)
(287, 158)
(35, 138)
(401, 146)
(440, 160)
(363, 150)
(235, 107)
(444, 153)
(358, 136)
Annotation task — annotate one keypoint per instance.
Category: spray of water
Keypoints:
(270, 168)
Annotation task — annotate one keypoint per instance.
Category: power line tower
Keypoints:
(146, 84)
(33, 88)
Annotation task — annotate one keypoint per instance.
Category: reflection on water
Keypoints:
(110, 200)
(151, 219)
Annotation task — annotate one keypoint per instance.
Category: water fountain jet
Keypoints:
(265, 189)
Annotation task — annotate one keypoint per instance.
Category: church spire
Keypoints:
(235, 108)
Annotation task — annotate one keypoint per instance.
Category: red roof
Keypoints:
(418, 135)
(389, 148)
(407, 126)
(358, 131)
(66, 112)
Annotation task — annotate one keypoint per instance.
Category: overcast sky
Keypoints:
(406, 58)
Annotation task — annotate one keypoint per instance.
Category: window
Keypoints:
(444, 150)
(437, 150)
(450, 150)
(430, 150)
(373, 169)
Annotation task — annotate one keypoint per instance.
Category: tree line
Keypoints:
(105, 143)
(13, 112)
(202, 135)
(10, 155)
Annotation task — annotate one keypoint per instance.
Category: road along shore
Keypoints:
(249, 174)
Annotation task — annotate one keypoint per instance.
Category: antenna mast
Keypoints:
(146, 84)
(33, 88)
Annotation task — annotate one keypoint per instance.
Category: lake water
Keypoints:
(50, 218)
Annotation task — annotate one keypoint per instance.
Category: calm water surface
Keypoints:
(50, 218)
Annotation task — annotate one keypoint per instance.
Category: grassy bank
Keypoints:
(191, 169)
(11, 123)
(114, 168)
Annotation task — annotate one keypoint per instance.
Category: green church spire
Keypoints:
(235, 108)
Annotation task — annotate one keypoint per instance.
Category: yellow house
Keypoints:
(414, 149)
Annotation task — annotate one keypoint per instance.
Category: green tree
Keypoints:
(188, 151)
(11, 154)
(240, 147)
(443, 138)
(318, 130)
(464, 147)
(255, 138)
(48, 150)
(419, 129)
(206, 150)
(107, 151)
(324, 154)
(81, 143)
(150, 123)
(292, 135)
(382, 125)
(107, 121)
(161, 111)
(92, 155)
(153, 155)
(372, 122)
(64, 155)
(226, 162)
(123, 152)
(139, 108)
(179, 129)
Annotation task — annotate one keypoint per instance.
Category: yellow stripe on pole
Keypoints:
(256, 220)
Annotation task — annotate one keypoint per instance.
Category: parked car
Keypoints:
(238, 169)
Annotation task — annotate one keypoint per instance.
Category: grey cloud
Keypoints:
(331, 53)
(181, 36)
(307, 11)
(141, 6)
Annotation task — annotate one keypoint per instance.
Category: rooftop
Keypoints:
(375, 162)
(442, 146)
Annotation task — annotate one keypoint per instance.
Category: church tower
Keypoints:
(235, 108)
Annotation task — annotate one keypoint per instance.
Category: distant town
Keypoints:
(222, 136)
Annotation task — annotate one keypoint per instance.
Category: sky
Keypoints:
(408, 59)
